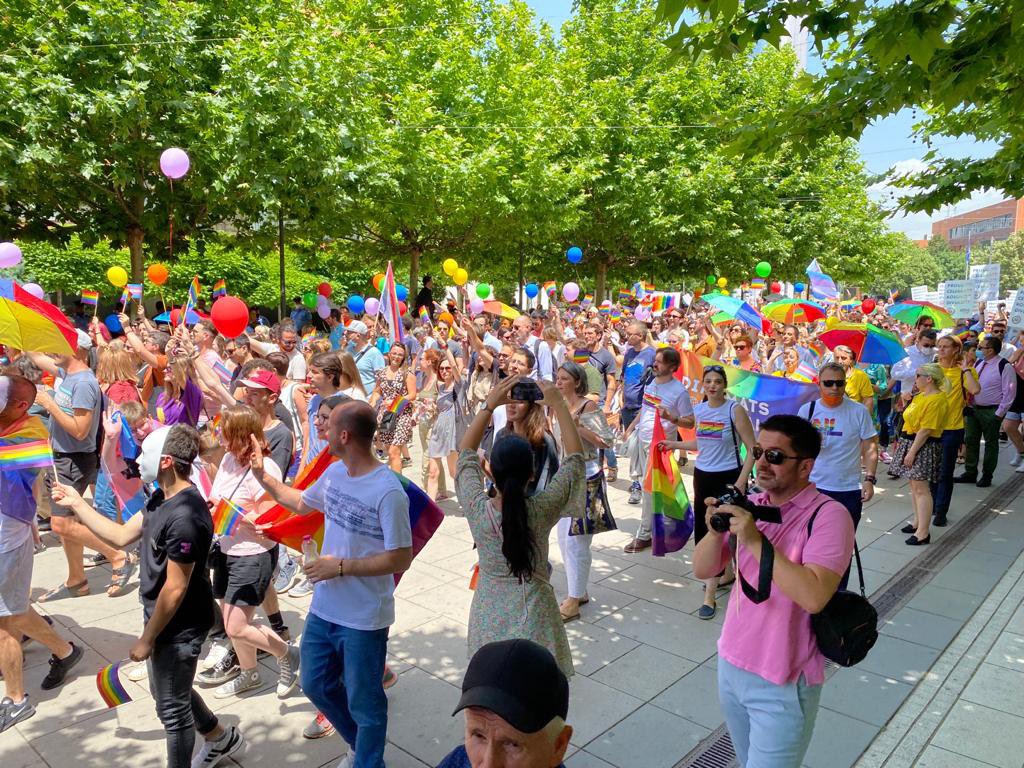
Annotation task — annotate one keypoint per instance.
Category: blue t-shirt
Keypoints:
(633, 366)
(458, 758)
(337, 336)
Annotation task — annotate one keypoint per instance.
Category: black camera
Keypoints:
(733, 496)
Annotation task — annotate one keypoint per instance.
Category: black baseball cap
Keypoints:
(519, 681)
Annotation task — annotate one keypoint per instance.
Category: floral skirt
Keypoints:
(926, 463)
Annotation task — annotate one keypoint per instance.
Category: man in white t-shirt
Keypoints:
(848, 442)
(666, 398)
(288, 343)
(522, 328)
(367, 540)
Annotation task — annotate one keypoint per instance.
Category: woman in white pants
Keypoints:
(575, 533)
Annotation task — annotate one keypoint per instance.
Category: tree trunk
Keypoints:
(282, 310)
(414, 270)
(135, 235)
(602, 278)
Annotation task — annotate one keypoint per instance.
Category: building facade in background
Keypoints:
(983, 225)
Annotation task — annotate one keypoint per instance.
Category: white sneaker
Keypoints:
(246, 681)
(1020, 468)
(288, 677)
(218, 650)
(138, 672)
(212, 752)
(347, 761)
(1017, 460)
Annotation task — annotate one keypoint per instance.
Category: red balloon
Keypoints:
(776, 287)
(868, 306)
(402, 308)
(175, 314)
(324, 289)
(230, 316)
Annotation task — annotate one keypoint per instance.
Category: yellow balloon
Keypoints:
(724, 292)
(831, 322)
(722, 282)
(117, 277)
(461, 276)
(450, 265)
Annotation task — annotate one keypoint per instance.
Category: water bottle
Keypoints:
(309, 552)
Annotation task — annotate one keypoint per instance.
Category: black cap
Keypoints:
(519, 681)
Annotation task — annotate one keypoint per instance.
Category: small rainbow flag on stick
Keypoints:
(109, 684)
(226, 517)
(126, 296)
(581, 356)
(398, 405)
(625, 296)
(672, 521)
(90, 298)
(551, 288)
(28, 455)
(220, 288)
(424, 314)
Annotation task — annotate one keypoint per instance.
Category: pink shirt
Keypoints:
(773, 639)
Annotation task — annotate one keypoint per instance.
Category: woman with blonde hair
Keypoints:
(181, 400)
(351, 383)
(918, 448)
(116, 372)
(244, 563)
(963, 381)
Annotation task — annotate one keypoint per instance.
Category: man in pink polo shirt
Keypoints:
(770, 670)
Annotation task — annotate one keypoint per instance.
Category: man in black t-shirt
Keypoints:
(176, 530)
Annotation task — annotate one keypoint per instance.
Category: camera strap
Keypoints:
(764, 575)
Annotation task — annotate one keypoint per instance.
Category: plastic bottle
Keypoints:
(309, 552)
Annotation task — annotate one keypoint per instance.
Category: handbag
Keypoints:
(847, 627)
(597, 516)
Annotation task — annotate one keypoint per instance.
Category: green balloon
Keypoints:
(711, 279)
(309, 299)
(763, 269)
(483, 290)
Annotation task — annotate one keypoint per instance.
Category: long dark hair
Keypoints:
(512, 468)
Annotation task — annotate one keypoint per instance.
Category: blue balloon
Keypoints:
(113, 323)
(574, 255)
(532, 290)
(355, 305)
(798, 287)
(401, 292)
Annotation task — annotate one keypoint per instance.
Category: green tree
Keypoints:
(902, 264)
(949, 260)
(1009, 254)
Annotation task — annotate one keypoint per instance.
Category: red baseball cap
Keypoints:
(263, 379)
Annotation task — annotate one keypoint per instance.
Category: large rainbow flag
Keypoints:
(24, 452)
(289, 528)
(672, 523)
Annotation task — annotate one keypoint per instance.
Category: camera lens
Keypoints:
(720, 522)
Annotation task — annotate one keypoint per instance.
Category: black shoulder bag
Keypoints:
(847, 627)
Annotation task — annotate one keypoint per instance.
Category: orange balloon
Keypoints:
(157, 274)
(377, 280)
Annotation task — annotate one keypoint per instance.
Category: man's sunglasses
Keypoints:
(773, 455)
(838, 383)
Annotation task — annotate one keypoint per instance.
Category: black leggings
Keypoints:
(707, 484)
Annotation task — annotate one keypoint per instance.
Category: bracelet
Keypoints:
(487, 408)
(341, 567)
(871, 479)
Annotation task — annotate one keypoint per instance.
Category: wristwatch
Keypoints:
(871, 479)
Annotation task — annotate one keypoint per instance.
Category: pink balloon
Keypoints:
(33, 288)
(10, 255)
(642, 313)
(371, 307)
(476, 305)
(570, 291)
(323, 310)
(174, 163)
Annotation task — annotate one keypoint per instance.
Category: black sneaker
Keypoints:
(12, 714)
(42, 524)
(59, 668)
(98, 559)
(224, 670)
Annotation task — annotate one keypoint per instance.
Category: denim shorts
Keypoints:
(244, 579)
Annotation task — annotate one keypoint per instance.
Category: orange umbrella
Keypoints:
(501, 310)
(33, 325)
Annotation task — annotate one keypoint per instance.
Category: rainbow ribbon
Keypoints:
(108, 683)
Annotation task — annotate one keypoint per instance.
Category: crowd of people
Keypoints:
(521, 420)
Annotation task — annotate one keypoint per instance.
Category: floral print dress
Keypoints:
(503, 608)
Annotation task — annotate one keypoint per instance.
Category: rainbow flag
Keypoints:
(220, 288)
(672, 522)
(652, 400)
(616, 314)
(22, 442)
(288, 528)
(624, 296)
(389, 308)
(712, 430)
(192, 299)
(135, 290)
(662, 301)
(226, 517)
(398, 405)
(111, 690)
(581, 356)
(90, 297)
(606, 311)
(126, 296)
(757, 284)
(425, 315)
(550, 288)
(588, 299)
(31, 454)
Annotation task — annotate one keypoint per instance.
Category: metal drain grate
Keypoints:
(716, 751)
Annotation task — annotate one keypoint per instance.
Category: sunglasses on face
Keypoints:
(740, 347)
(838, 383)
(773, 455)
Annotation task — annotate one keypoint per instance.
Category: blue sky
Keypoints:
(885, 145)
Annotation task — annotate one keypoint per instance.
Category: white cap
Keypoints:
(84, 342)
(357, 326)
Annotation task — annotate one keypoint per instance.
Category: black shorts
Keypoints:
(244, 579)
(78, 470)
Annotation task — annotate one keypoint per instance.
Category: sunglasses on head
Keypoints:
(773, 455)
(833, 383)
(714, 369)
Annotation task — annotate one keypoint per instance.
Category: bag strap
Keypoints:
(764, 572)
(735, 437)
(856, 549)
(810, 415)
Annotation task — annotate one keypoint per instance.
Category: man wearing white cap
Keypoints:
(368, 358)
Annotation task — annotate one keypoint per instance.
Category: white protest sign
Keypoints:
(1016, 312)
(919, 293)
(986, 278)
(958, 298)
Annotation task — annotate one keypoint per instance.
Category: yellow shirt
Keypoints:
(926, 412)
(956, 396)
(858, 386)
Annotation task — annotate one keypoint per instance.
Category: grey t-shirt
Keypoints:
(282, 444)
(76, 390)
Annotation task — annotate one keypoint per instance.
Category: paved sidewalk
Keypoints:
(644, 693)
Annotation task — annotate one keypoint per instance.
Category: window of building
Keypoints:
(975, 228)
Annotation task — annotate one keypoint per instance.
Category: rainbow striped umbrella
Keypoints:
(911, 311)
(793, 311)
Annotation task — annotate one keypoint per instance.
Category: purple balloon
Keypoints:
(174, 163)
(10, 255)
(34, 288)
(642, 313)
(323, 310)
(371, 306)
(570, 291)
(476, 305)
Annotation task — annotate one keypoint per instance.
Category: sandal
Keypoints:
(120, 578)
(567, 615)
(60, 592)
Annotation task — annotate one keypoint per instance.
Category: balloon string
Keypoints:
(170, 223)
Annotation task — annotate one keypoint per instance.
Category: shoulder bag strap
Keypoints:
(856, 549)
(764, 574)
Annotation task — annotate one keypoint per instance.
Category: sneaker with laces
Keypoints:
(303, 589)
(212, 752)
(634, 494)
(12, 714)
(319, 728)
(59, 668)
(246, 680)
(286, 574)
(288, 677)
(218, 650)
(224, 670)
(1017, 460)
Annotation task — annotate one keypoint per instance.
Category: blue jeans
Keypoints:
(770, 725)
(342, 671)
(942, 491)
(851, 500)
